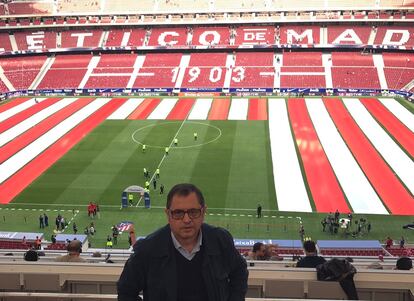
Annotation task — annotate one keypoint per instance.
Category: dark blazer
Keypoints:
(152, 268)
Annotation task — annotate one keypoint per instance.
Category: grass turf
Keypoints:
(232, 166)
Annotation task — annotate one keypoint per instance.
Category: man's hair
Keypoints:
(184, 189)
(257, 246)
(74, 246)
(309, 246)
(404, 263)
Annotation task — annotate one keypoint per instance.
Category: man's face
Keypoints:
(262, 251)
(187, 227)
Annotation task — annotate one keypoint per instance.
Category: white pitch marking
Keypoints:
(290, 187)
(33, 120)
(359, 192)
(163, 109)
(25, 155)
(19, 108)
(200, 109)
(405, 116)
(402, 165)
(238, 109)
(126, 109)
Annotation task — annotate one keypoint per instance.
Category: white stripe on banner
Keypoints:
(238, 109)
(399, 111)
(30, 122)
(19, 108)
(358, 190)
(24, 156)
(290, 188)
(163, 109)
(396, 158)
(126, 109)
(201, 109)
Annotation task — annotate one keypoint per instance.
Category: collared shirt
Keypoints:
(183, 251)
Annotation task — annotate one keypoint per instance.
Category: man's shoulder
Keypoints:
(310, 261)
(153, 240)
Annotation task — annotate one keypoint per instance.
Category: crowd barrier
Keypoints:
(81, 278)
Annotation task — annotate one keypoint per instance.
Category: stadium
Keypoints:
(302, 108)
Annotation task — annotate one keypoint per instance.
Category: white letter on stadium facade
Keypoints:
(254, 36)
(307, 34)
(214, 41)
(81, 37)
(35, 41)
(405, 36)
(161, 38)
(348, 35)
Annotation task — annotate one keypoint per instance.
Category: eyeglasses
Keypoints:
(192, 213)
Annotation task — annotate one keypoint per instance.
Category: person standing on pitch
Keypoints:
(144, 148)
(147, 185)
(41, 222)
(145, 172)
(259, 211)
(186, 259)
(175, 141)
(195, 136)
(162, 189)
(167, 150)
(46, 218)
(154, 183)
(157, 173)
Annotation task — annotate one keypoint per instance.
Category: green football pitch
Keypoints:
(230, 162)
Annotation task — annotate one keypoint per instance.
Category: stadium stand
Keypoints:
(296, 69)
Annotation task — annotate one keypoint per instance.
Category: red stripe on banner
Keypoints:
(257, 109)
(144, 109)
(389, 188)
(219, 109)
(38, 130)
(326, 191)
(181, 109)
(19, 117)
(21, 179)
(393, 125)
(13, 103)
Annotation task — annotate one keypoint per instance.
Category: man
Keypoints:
(311, 260)
(115, 233)
(389, 242)
(144, 147)
(195, 136)
(147, 184)
(46, 219)
(404, 263)
(175, 141)
(131, 199)
(157, 173)
(259, 211)
(167, 149)
(258, 252)
(74, 249)
(145, 172)
(154, 183)
(186, 259)
(162, 189)
(41, 223)
(75, 228)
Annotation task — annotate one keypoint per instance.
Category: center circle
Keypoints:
(133, 136)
